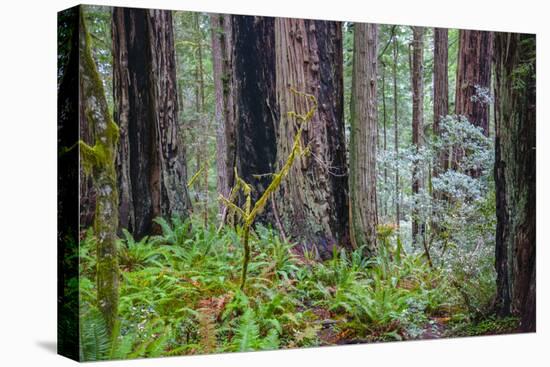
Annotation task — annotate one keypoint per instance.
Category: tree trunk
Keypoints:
(441, 88)
(202, 154)
(86, 186)
(151, 157)
(515, 175)
(385, 136)
(473, 77)
(314, 203)
(417, 127)
(256, 118)
(222, 65)
(99, 161)
(68, 23)
(362, 180)
(396, 131)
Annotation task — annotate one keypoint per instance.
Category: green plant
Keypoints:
(249, 212)
(248, 338)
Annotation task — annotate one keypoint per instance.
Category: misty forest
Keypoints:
(250, 183)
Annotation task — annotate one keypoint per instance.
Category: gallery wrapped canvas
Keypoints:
(232, 183)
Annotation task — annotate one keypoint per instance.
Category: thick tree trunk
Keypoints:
(314, 203)
(364, 122)
(515, 175)
(222, 62)
(256, 118)
(418, 227)
(441, 88)
(150, 159)
(99, 161)
(473, 77)
(68, 23)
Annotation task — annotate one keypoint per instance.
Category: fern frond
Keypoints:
(94, 337)
(248, 333)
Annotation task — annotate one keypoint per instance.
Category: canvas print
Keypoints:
(232, 183)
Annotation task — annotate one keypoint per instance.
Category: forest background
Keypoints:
(502, 26)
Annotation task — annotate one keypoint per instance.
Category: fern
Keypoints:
(247, 337)
(94, 337)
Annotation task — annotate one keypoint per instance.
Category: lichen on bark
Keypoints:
(99, 162)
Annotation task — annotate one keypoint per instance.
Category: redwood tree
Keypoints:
(418, 227)
(515, 175)
(440, 86)
(222, 62)
(396, 130)
(256, 115)
(313, 200)
(473, 77)
(362, 180)
(150, 160)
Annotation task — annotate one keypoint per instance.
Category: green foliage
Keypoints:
(94, 337)
(489, 326)
(180, 294)
(248, 212)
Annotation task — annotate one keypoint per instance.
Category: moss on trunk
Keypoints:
(99, 162)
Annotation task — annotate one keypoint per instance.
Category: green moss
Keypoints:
(99, 162)
(489, 326)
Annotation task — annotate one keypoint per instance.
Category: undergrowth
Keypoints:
(180, 294)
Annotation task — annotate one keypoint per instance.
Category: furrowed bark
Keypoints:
(256, 115)
(222, 61)
(475, 51)
(170, 155)
(515, 176)
(313, 201)
(364, 122)
(151, 158)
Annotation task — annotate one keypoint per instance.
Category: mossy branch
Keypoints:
(249, 212)
(195, 176)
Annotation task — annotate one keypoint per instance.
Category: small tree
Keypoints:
(249, 211)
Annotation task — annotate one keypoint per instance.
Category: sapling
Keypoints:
(248, 212)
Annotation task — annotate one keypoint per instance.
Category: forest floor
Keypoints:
(180, 294)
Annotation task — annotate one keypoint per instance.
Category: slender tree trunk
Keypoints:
(396, 131)
(441, 88)
(314, 203)
(515, 175)
(441, 109)
(202, 120)
(256, 115)
(150, 159)
(473, 76)
(100, 161)
(364, 122)
(222, 61)
(385, 135)
(418, 227)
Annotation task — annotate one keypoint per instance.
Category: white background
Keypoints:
(28, 182)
